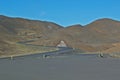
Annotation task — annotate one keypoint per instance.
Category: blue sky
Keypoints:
(63, 12)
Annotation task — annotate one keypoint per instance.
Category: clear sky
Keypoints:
(63, 12)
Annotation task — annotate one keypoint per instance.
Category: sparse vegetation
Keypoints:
(100, 35)
(21, 49)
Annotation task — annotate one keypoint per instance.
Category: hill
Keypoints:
(96, 36)
(100, 35)
(13, 30)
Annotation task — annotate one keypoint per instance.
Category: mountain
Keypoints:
(27, 28)
(100, 35)
(13, 30)
(106, 29)
(96, 36)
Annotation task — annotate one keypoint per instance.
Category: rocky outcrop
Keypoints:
(62, 44)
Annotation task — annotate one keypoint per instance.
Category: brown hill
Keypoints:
(13, 30)
(96, 36)
(106, 29)
(99, 35)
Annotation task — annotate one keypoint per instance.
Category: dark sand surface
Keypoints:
(67, 67)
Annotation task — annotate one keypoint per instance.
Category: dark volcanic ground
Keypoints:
(67, 67)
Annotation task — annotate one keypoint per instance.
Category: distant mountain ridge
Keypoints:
(100, 35)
